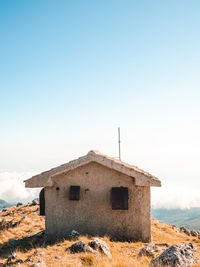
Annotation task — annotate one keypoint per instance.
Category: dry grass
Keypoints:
(123, 253)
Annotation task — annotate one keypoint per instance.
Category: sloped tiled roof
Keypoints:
(141, 177)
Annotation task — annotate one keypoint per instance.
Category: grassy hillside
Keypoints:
(189, 218)
(30, 250)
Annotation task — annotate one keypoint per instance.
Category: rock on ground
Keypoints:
(35, 201)
(80, 247)
(38, 264)
(12, 257)
(194, 233)
(185, 230)
(101, 245)
(176, 256)
(148, 250)
(74, 235)
(57, 257)
(15, 242)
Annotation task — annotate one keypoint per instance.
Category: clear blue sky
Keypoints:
(71, 72)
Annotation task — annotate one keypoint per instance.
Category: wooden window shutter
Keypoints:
(42, 202)
(74, 192)
(120, 198)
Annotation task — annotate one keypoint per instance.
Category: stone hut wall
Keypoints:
(93, 213)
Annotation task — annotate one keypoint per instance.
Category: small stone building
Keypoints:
(96, 195)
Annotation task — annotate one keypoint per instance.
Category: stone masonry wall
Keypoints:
(93, 213)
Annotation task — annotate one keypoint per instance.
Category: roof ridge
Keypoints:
(97, 152)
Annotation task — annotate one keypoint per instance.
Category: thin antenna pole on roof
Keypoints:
(119, 142)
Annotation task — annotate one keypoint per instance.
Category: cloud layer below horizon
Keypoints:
(172, 196)
(12, 189)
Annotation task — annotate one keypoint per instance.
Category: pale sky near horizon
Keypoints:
(71, 72)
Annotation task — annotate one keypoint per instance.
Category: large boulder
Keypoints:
(100, 245)
(176, 256)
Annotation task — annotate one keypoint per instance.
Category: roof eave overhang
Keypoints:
(47, 178)
(38, 184)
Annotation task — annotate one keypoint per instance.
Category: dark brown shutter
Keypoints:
(42, 203)
(74, 192)
(119, 198)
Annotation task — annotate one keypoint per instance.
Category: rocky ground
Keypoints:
(23, 243)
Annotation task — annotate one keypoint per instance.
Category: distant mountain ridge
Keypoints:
(4, 204)
(189, 218)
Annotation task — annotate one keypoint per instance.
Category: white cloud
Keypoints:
(12, 188)
(175, 196)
